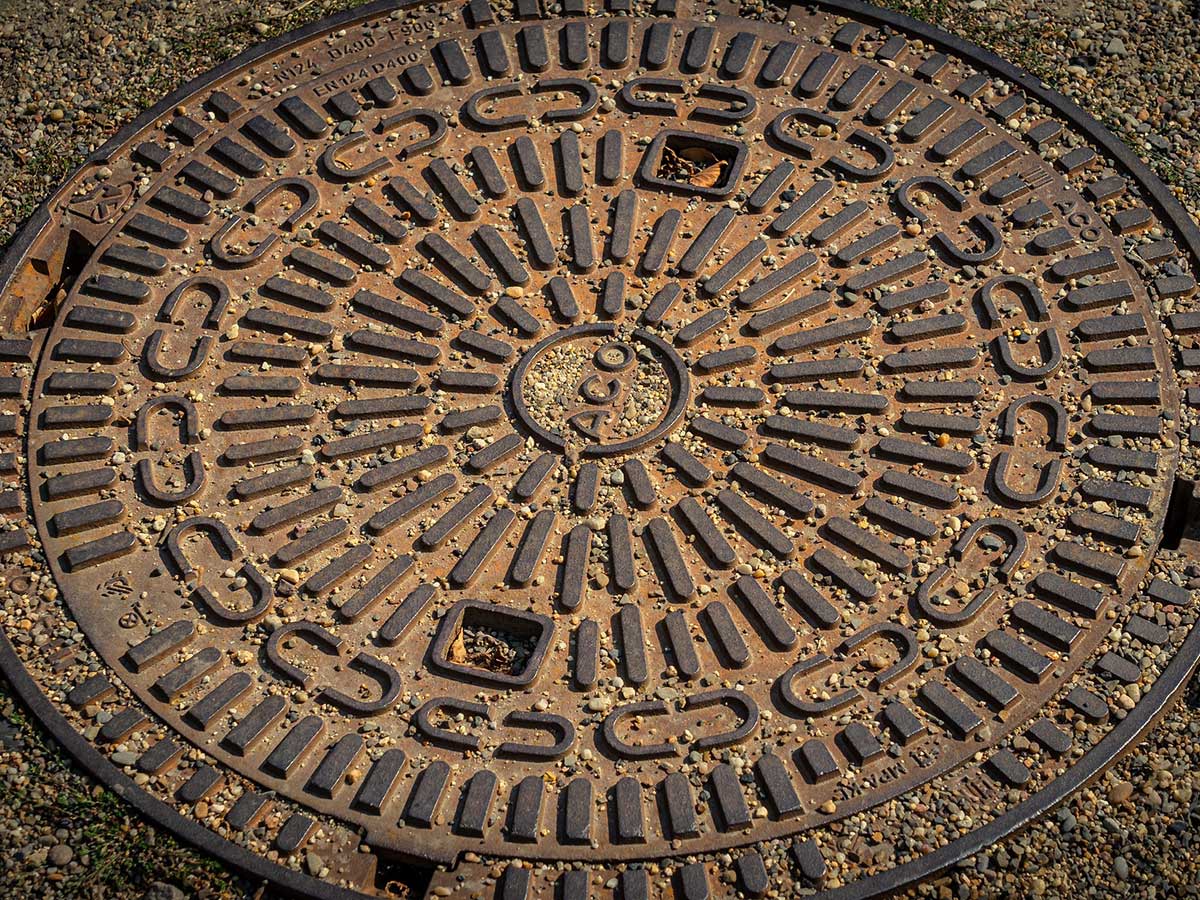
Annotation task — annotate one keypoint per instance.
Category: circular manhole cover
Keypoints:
(652, 446)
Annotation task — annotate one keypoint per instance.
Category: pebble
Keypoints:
(1120, 792)
(60, 855)
(161, 890)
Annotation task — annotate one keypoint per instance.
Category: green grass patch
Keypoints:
(126, 854)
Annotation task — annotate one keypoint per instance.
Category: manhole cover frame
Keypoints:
(1119, 739)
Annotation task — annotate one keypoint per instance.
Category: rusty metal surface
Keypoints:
(606, 439)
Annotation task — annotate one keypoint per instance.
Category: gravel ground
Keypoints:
(72, 74)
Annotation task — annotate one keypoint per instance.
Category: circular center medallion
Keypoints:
(599, 390)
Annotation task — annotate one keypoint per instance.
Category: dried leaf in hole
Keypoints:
(698, 155)
(706, 178)
(458, 649)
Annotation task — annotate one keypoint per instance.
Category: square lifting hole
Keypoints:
(489, 643)
(688, 163)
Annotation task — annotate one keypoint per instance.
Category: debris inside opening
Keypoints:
(490, 648)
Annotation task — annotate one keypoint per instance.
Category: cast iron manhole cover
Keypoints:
(646, 450)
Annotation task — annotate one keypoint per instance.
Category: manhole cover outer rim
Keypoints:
(38, 221)
(1120, 740)
(31, 229)
(1152, 706)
